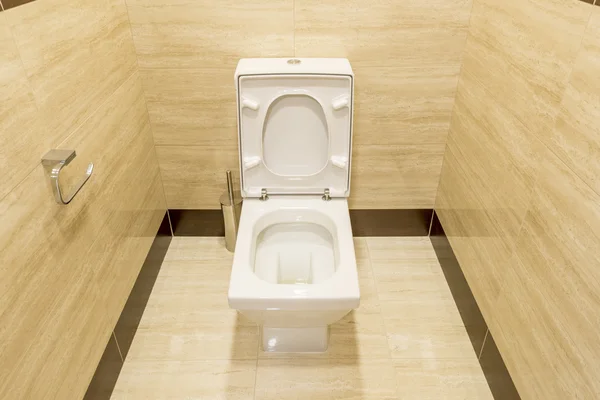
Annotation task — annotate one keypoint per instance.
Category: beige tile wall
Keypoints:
(519, 192)
(406, 57)
(68, 79)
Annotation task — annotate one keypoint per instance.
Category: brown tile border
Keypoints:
(197, 222)
(409, 222)
(494, 369)
(398, 222)
(463, 297)
(140, 293)
(497, 376)
(107, 372)
(8, 4)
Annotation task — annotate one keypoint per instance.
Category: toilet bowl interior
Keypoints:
(299, 253)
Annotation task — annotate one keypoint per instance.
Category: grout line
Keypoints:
(385, 328)
(255, 375)
(483, 344)
(536, 138)
(1, 6)
(75, 130)
(35, 100)
(168, 216)
(553, 125)
(460, 70)
(294, 26)
(118, 347)
(431, 222)
(137, 62)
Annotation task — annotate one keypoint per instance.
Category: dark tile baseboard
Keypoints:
(107, 372)
(494, 369)
(8, 4)
(401, 222)
(140, 293)
(461, 292)
(197, 222)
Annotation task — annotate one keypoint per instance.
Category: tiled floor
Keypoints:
(406, 341)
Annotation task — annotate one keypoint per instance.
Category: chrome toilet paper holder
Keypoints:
(53, 161)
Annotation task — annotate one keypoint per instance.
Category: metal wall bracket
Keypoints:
(53, 162)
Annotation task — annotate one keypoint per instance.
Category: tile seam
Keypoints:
(553, 125)
(137, 62)
(76, 130)
(385, 327)
(487, 332)
(118, 347)
(460, 70)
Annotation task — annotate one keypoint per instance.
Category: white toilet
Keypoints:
(294, 269)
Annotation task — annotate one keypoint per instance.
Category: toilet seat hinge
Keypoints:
(263, 195)
(326, 195)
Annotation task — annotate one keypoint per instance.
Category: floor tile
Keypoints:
(425, 329)
(406, 340)
(406, 269)
(188, 316)
(441, 379)
(177, 380)
(325, 379)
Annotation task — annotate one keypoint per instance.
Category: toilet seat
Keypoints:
(249, 292)
(295, 133)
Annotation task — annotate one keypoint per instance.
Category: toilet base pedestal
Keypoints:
(295, 340)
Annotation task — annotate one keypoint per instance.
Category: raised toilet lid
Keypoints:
(295, 126)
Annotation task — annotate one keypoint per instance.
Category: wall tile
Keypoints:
(549, 307)
(205, 34)
(403, 176)
(194, 176)
(383, 32)
(513, 212)
(576, 137)
(523, 51)
(59, 83)
(396, 106)
(191, 102)
(61, 254)
(20, 141)
(192, 107)
(482, 199)
(75, 65)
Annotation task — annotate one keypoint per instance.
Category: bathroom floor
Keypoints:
(406, 341)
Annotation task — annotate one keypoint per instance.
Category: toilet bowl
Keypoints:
(294, 268)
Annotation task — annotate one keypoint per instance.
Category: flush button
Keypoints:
(293, 61)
